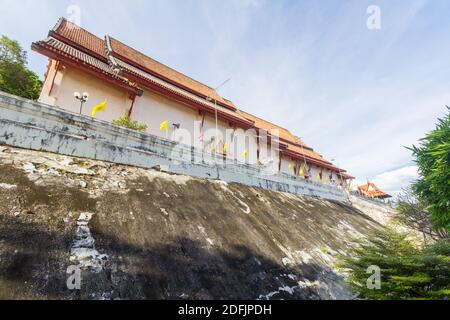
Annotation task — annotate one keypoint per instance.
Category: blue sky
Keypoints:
(354, 94)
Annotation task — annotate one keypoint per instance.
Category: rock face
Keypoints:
(143, 234)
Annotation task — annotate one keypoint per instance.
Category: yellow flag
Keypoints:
(225, 148)
(245, 153)
(164, 126)
(318, 177)
(101, 107)
(300, 172)
(290, 166)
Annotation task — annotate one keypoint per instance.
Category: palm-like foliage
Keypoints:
(433, 160)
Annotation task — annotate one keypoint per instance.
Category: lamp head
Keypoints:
(85, 95)
(77, 95)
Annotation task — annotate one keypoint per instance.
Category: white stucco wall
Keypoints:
(69, 80)
(285, 161)
(224, 135)
(269, 155)
(153, 109)
(315, 171)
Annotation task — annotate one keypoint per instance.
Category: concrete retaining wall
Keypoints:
(380, 212)
(36, 126)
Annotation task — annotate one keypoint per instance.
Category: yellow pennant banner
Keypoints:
(164, 126)
(99, 108)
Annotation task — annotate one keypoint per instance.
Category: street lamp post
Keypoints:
(83, 98)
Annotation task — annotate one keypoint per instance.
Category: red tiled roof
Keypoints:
(52, 46)
(294, 144)
(150, 65)
(271, 128)
(85, 40)
(79, 36)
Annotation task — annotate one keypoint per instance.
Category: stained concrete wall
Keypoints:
(37, 126)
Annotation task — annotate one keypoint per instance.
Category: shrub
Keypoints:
(126, 122)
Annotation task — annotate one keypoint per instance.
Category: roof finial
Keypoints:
(109, 53)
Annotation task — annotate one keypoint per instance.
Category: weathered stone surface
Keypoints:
(163, 236)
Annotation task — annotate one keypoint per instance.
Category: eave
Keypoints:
(68, 60)
(319, 163)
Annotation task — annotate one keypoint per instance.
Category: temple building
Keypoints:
(370, 190)
(147, 91)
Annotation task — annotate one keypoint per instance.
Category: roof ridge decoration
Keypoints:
(111, 60)
(58, 24)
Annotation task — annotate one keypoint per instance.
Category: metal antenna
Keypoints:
(215, 109)
(222, 84)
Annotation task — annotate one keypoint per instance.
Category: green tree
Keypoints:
(433, 160)
(126, 122)
(406, 271)
(15, 77)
